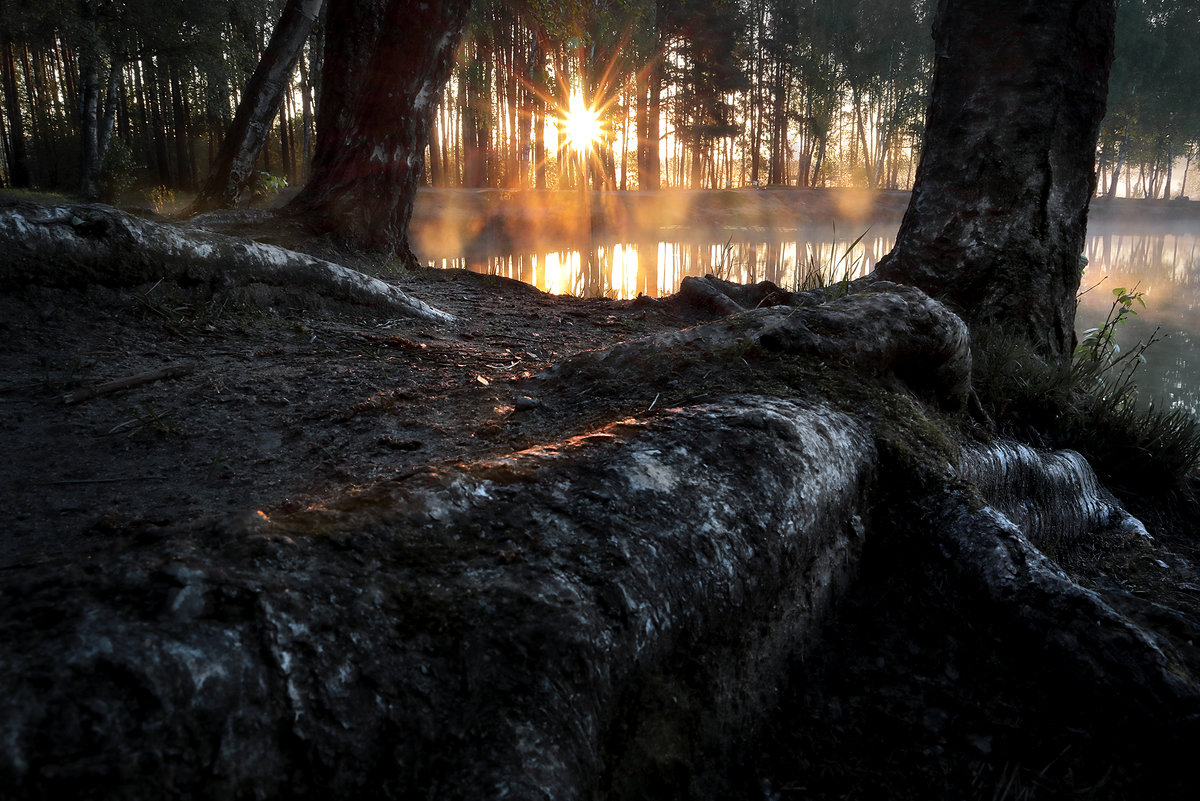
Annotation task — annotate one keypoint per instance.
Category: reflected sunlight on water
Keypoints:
(1165, 264)
(624, 269)
(1161, 260)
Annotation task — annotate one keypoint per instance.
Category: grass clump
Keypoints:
(824, 269)
(1090, 404)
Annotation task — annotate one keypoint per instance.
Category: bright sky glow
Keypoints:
(581, 125)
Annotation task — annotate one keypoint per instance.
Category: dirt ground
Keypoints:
(277, 410)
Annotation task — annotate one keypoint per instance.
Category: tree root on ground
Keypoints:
(606, 615)
(74, 245)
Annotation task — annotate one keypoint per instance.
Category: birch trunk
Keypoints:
(232, 172)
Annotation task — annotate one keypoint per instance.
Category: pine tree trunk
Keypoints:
(18, 165)
(654, 113)
(376, 89)
(89, 108)
(998, 215)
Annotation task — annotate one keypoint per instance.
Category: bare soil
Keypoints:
(279, 410)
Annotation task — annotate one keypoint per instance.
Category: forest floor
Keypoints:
(275, 411)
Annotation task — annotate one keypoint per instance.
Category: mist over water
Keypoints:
(754, 237)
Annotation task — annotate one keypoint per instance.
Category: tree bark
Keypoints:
(233, 170)
(18, 166)
(999, 210)
(89, 104)
(377, 85)
(70, 246)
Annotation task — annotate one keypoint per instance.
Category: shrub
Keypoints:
(1091, 404)
(116, 171)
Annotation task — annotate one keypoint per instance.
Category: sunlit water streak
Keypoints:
(1162, 261)
(655, 267)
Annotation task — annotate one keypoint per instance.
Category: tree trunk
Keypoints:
(181, 129)
(112, 102)
(232, 173)
(89, 119)
(306, 120)
(999, 210)
(18, 166)
(376, 88)
(1166, 194)
(653, 126)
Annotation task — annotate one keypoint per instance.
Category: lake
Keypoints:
(1160, 256)
(1163, 261)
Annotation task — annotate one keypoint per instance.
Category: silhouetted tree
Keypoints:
(385, 62)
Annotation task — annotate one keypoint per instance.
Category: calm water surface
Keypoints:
(1161, 260)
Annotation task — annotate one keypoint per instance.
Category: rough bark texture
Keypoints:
(385, 61)
(607, 615)
(233, 169)
(542, 626)
(81, 244)
(999, 208)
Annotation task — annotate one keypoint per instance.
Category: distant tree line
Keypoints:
(100, 95)
(1153, 116)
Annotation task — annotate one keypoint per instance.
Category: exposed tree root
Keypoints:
(608, 615)
(73, 245)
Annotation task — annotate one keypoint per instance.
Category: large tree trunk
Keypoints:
(232, 171)
(998, 215)
(385, 61)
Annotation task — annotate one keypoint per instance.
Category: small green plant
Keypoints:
(268, 186)
(161, 198)
(1099, 345)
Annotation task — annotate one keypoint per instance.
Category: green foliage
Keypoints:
(116, 171)
(1099, 345)
(1153, 110)
(1090, 404)
(162, 198)
(268, 186)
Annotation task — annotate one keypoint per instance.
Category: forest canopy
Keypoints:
(136, 96)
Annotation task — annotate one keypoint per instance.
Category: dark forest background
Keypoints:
(805, 93)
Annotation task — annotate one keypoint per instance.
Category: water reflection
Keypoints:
(1163, 261)
(655, 267)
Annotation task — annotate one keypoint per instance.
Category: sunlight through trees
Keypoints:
(126, 98)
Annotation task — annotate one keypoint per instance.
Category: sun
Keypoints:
(581, 125)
